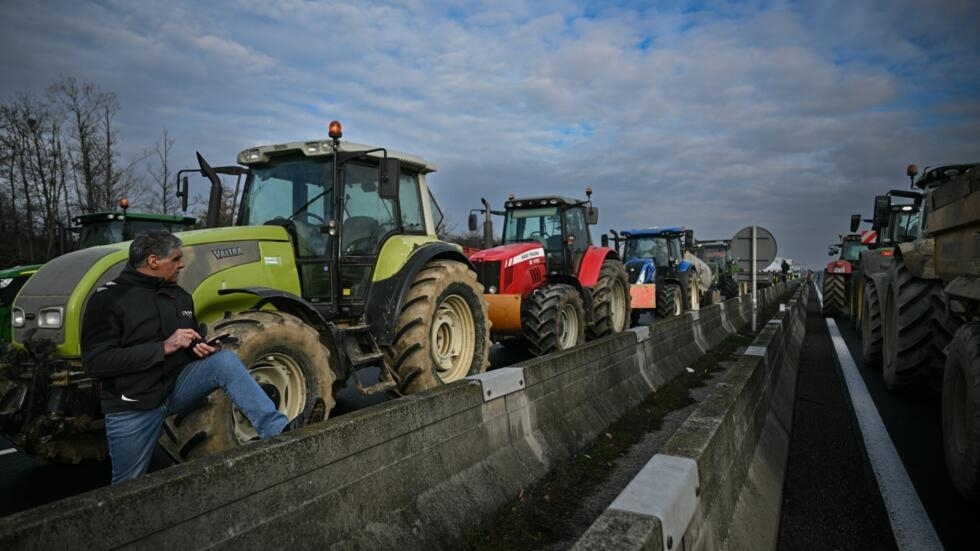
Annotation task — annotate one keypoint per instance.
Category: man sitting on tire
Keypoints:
(140, 339)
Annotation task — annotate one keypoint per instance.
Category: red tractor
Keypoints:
(837, 276)
(547, 282)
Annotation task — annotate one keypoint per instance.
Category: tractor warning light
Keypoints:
(336, 130)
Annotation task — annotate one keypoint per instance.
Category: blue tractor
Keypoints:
(663, 279)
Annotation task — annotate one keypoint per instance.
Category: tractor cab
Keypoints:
(340, 203)
(102, 228)
(559, 224)
(647, 250)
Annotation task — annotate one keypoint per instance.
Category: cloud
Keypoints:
(711, 115)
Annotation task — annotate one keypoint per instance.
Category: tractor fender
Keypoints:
(588, 273)
(386, 296)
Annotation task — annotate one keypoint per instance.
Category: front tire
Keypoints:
(833, 295)
(443, 331)
(285, 356)
(914, 333)
(961, 411)
(669, 303)
(554, 319)
(611, 300)
(871, 355)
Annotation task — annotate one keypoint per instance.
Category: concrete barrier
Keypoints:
(412, 472)
(717, 482)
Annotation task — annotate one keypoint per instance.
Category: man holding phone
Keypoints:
(140, 340)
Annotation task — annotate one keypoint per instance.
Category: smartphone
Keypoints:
(218, 339)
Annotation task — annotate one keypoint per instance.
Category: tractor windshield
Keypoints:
(105, 232)
(713, 255)
(852, 250)
(647, 247)
(541, 224)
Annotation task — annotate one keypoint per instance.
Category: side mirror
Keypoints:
(472, 221)
(591, 216)
(182, 193)
(389, 173)
(855, 222)
(604, 240)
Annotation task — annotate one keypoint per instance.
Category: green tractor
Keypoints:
(717, 254)
(97, 228)
(333, 266)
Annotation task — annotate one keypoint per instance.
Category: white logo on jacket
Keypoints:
(186, 313)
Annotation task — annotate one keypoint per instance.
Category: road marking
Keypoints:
(908, 517)
(8, 450)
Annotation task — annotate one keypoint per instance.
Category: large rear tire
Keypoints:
(871, 323)
(669, 298)
(554, 319)
(443, 331)
(833, 295)
(729, 288)
(961, 411)
(611, 300)
(914, 333)
(285, 356)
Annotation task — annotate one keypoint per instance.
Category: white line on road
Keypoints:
(8, 450)
(908, 518)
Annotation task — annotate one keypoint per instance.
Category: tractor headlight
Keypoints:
(6, 281)
(17, 318)
(492, 290)
(50, 318)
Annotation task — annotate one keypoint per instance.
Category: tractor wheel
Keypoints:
(611, 300)
(443, 331)
(554, 319)
(833, 295)
(961, 411)
(914, 332)
(871, 323)
(689, 290)
(285, 356)
(855, 295)
(669, 300)
(729, 288)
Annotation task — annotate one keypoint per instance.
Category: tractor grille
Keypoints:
(488, 273)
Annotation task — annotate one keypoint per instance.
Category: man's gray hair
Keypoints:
(159, 242)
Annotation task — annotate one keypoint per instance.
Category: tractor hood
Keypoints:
(641, 270)
(513, 253)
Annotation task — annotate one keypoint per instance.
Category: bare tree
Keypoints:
(163, 192)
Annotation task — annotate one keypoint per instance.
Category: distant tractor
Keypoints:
(931, 313)
(717, 254)
(546, 282)
(664, 278)
(893, 223)
(333, 266)
(837, 275)
(97, 228)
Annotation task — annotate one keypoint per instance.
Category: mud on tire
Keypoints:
(285, 356)
(961, 411)
(443, 331)
(610, 301)
(553, 318)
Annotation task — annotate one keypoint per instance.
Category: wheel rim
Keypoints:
(678, 305)
(283, 373)
(453, 338)
(618, 306)
(568, 328)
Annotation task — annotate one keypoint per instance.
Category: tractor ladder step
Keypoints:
(361, 351)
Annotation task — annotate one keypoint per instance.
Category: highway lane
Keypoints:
(914, 424)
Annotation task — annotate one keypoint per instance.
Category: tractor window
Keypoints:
(297, 194)
(576, 235)
(101, 233)
(367, 217)
(906, 227)
(437, 216)
(536, 224)
(676, 251)
(410, 204)
(713, 255)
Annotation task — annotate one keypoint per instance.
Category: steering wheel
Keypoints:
(311, 217)
(541, 236)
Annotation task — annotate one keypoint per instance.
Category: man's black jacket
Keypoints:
(125, 324)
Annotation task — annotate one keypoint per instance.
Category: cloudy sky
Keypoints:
(712, 115)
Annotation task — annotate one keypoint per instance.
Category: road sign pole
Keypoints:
(755, 275)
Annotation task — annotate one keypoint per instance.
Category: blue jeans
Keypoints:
(133, 434)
